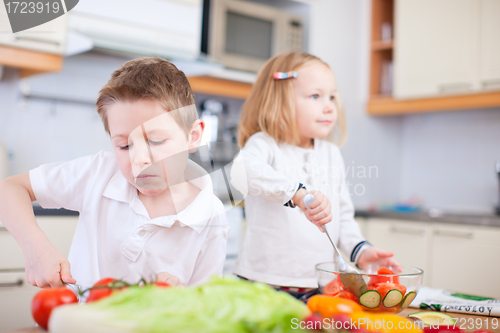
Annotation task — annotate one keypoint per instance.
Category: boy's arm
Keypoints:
(45, 266)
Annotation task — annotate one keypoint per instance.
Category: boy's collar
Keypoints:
(195, 215)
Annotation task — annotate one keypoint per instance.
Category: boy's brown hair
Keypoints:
(149, 78)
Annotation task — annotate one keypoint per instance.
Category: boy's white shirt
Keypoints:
(115, 236)
(281, 246)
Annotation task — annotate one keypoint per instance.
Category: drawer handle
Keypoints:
(455, 88)
(491, 83)
(18, 283)
(456, 234)
(37, 40)
(410, 231)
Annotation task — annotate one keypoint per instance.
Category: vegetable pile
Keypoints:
(222, 305)
(384, 293)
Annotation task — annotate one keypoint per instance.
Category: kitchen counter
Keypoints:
(465, 219)
(468, 323)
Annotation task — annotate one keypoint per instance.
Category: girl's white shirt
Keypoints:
(281, 246)
(115, 237)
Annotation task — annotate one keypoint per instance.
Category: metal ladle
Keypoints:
(350, 277)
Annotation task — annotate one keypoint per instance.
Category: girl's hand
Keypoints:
(168, 278)
(46, 267)
(378, 257)
(319, 212)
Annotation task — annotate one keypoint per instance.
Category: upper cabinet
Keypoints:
(445, 55)
(489, 58)
(435, 51)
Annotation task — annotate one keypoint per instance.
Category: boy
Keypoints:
(146, 210)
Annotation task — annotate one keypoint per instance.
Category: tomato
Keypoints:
(103, 288)
(383, 279)
(46, 300)
(162, 284)
(348, 295)
(332, 288)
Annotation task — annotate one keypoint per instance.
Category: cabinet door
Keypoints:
(15, 301)
(408, 240)
(465, 259)
(49, 37)
(434, 50)
(490, 45)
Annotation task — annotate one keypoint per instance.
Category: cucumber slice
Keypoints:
(370, 299)
(392, 298)
(409, 297)
(434, 318)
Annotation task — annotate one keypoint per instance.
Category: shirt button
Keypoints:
(142, 233)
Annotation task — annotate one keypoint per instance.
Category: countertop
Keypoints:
(435, 216)
(466, 322)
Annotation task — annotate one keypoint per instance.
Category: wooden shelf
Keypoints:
(382, 45)
(220, 87)
(385, 105)
(30, 62)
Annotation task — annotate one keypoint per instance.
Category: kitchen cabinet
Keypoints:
(15, 292)
(456, 257)
(490, 45)
(409, 241)
(464, 258)
(35, 50)
(444, 56)
(435, 53)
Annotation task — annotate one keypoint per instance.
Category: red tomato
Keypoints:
(46, 300)
(347, 295)
(383, 279)
(162, 284)
(332, 288)
(104, 289)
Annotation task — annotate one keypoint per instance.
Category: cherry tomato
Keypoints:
(162, 284)
(46, 300)
(105, 288)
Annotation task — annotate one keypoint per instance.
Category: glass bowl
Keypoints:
(384, 293)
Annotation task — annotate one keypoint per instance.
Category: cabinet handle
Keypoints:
(410, 231)
(450, 88)
(3, 229)
(18, 283)
(456, 234)
(491, 83)
(37, 40)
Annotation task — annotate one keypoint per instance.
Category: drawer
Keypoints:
(59, 230)
(15, 301)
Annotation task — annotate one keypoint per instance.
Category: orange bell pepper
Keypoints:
(327, 306)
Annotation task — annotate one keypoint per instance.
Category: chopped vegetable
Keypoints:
(392, 294)
(434, 318)
(347, 295)
(383, 279)
(370, 299)
(409, 297)
(332, 288)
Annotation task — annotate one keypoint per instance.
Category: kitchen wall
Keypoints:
(444, 158)
(447, 159)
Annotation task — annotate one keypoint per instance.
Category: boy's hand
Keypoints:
(381, 258)
(168, 278)
(47, 267)
(319, 212)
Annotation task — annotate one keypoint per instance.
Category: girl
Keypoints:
(292, 110)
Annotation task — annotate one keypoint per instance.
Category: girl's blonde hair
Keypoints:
(270, 107)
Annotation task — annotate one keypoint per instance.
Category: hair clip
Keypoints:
(284, 75)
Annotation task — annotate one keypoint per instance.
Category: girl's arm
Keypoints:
(45, 266)
(252, 173)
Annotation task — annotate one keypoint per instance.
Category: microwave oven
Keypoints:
(242, 35)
